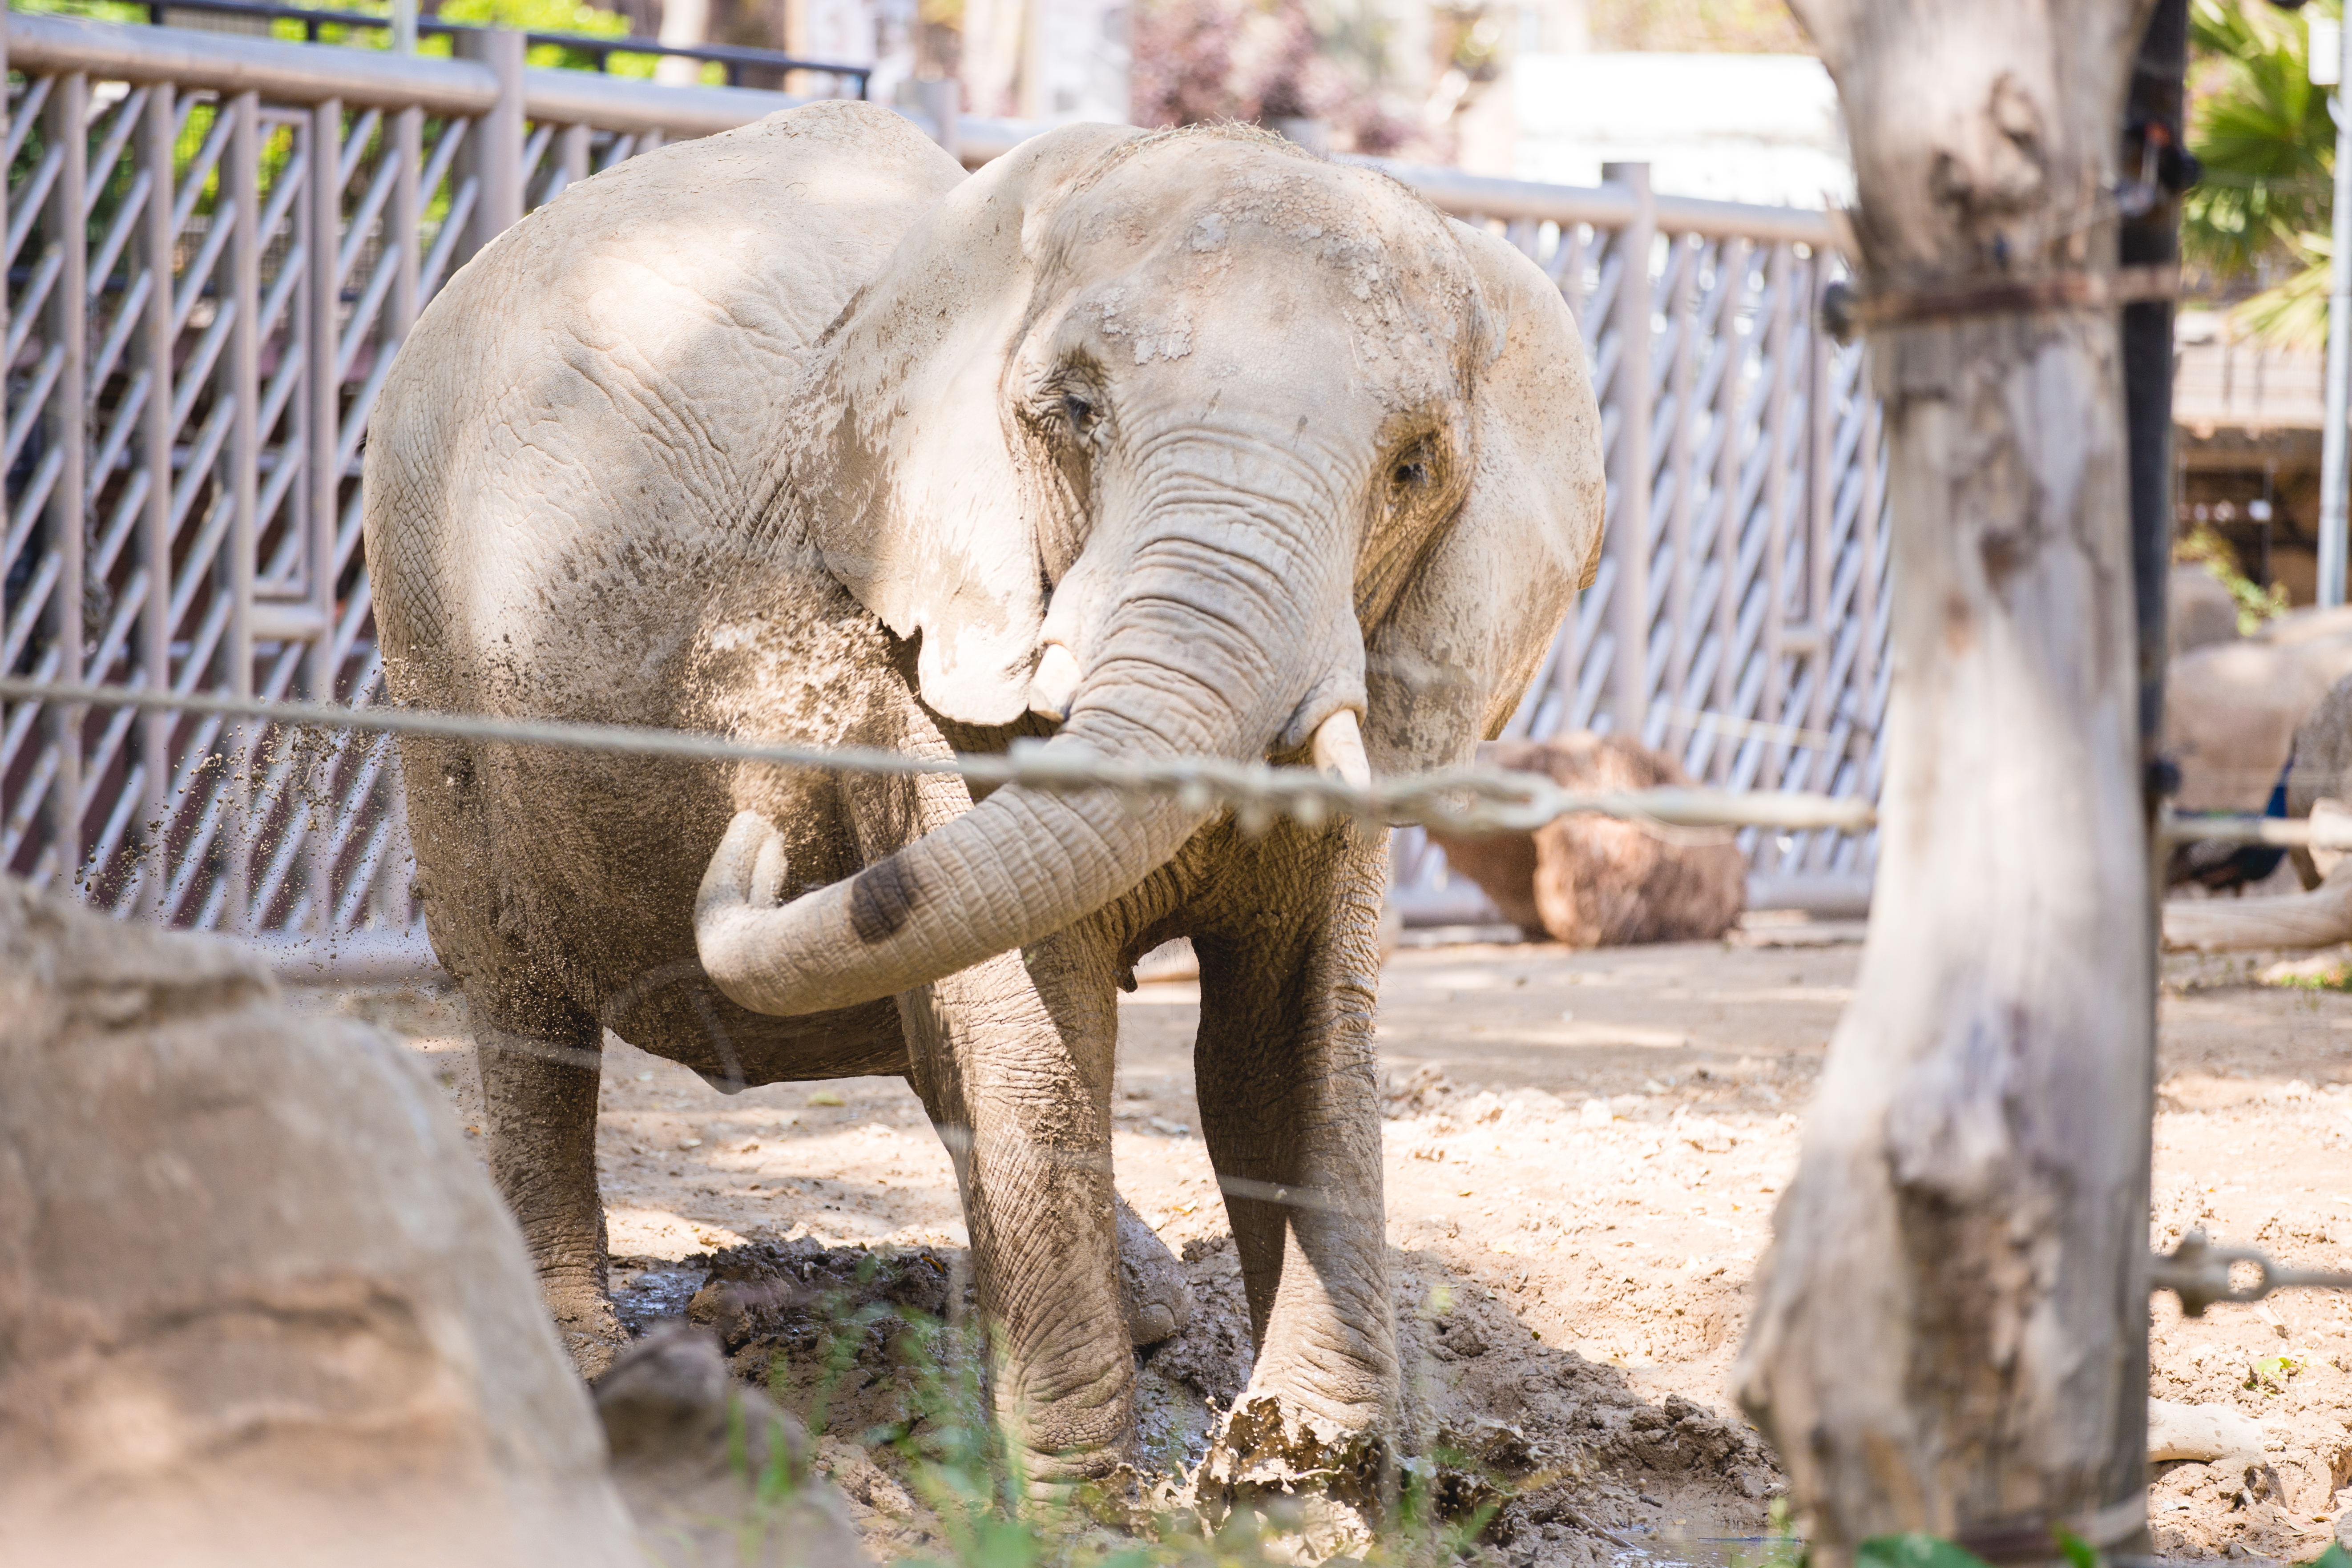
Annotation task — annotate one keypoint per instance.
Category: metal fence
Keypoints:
(215, 243)
(1738, 621)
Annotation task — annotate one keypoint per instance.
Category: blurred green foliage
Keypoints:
(2265, 138)
(520, 16)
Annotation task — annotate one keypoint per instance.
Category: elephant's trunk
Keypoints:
(1206, 650)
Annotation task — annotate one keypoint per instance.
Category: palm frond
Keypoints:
(2264, 133)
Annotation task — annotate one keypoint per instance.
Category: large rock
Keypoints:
(259, 1305)
(1591, 881)
(714, 1472)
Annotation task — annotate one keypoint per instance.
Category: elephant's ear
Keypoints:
(1449, 662)
(902, 464)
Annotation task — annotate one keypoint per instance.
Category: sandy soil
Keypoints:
(1584, 1153)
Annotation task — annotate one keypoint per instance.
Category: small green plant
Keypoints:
(2338, 978)
(772, 1490)
(2204, 547)
(2271, 1373)
(1915, 1549)
(1784, 1547)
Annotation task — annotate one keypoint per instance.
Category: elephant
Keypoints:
(1133, 445)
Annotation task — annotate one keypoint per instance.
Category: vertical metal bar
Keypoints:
(571, 153)
(941, 101)
(388, 895)
(1776, 477)
(325, 197)
(66, 323)
(241, 182)
(1681, 462)
(1866, 523)
(1731, 265)
(2332, 483)
(492, 151)
(400, 225)
(326, 204)
(7, 115)
(1821, 485)
(1628, 478)
(2154, 116)
(152, 353)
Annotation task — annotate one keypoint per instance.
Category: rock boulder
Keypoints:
(1592, 881)
(259, 1304)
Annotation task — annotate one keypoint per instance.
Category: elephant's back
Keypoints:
(590, 407)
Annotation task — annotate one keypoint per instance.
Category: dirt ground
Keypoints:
(1584, 1153)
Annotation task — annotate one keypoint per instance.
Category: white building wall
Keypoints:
(1747, 128)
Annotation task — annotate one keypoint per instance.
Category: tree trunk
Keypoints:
(1950, 1329)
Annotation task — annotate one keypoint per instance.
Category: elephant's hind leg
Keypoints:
(539, 1099)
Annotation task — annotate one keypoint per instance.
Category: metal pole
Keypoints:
(1630, 476)
(492, 151)
(2339, 349)
(2151, 237)
(403, 26)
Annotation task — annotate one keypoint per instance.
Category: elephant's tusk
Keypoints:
(1339, 750)
(1056, 683)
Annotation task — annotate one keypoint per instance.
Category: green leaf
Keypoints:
(2333, 1557)
(2078, 1552)
(2265, 139)
(1915, 1550)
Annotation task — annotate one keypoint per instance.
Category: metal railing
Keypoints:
(733, 57)
(1739, 618)
(215, 242)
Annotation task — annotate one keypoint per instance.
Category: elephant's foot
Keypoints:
(1152, 1294)
(1318, 1486)
(585, 1322)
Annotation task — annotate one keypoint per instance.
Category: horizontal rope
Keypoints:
(1460, 800)
(1457, 800)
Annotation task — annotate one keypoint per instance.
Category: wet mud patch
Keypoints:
(1562, 1458)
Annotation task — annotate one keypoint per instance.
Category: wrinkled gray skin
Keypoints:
(801, 433)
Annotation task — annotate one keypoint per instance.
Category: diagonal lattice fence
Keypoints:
(216, 243)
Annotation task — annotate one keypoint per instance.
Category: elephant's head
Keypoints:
(1203, 446)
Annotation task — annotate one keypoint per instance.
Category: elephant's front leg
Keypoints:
(1015, 1068)
(1289, 1106)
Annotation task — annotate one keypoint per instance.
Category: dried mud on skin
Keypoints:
(1582, 1145)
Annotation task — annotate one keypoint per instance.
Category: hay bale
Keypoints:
(259, 1305)
(1589, 881)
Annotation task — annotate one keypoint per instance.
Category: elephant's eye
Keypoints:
(1079, 411)
(1411, 475)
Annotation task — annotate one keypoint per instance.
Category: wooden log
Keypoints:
(1950, 1328)
(2321, 917)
